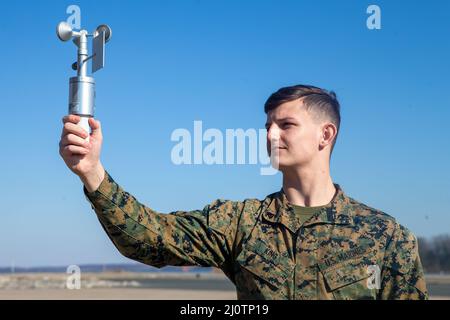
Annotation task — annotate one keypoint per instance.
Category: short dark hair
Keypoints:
(320, 101)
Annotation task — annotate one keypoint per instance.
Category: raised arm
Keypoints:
(200, 237)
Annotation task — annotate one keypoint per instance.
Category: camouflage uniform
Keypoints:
(265, 251)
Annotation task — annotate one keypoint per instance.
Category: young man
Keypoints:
(307, 241)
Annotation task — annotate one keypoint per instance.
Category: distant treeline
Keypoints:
(435, 254)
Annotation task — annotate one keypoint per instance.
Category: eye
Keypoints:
(287, 125)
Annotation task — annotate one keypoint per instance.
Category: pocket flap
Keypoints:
(264, 268)
(346, 273)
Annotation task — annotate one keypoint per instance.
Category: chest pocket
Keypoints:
(263, 273)
(349, 280)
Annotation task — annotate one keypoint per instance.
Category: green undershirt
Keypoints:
(304, 213)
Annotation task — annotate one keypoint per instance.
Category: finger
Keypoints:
(74, 140)
(75, 129)
(71, 118)
(96, 127)
(75, 149)
(65, 153)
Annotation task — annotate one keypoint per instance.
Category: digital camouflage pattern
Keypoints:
(264, 249)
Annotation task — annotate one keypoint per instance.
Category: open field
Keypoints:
(116, 294)
(143, 286)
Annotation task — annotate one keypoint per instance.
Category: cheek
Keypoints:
(303, 142)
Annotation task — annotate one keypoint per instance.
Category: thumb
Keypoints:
(96, 128)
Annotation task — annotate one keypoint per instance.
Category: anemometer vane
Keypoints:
(82, 87)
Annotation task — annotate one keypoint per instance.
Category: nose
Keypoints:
(273, 133)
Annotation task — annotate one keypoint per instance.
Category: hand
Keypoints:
(80, 156)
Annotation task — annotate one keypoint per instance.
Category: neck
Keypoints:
(308, 188)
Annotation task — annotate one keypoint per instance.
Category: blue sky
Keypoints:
(170, 63)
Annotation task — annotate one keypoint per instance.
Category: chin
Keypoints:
(285, 165)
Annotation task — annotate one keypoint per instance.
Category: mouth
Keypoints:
(271, 148)
(279, 150)
(279, 147)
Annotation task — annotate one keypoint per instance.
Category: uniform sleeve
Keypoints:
(402, 276)
(200, 237)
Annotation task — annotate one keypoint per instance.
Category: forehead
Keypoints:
(293, 109)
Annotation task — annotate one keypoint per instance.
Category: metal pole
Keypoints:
(82, 54)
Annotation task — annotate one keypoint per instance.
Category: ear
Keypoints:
(328, 134)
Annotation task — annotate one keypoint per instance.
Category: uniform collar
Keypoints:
(279, 210)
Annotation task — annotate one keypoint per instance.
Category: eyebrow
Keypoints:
(282, 119)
